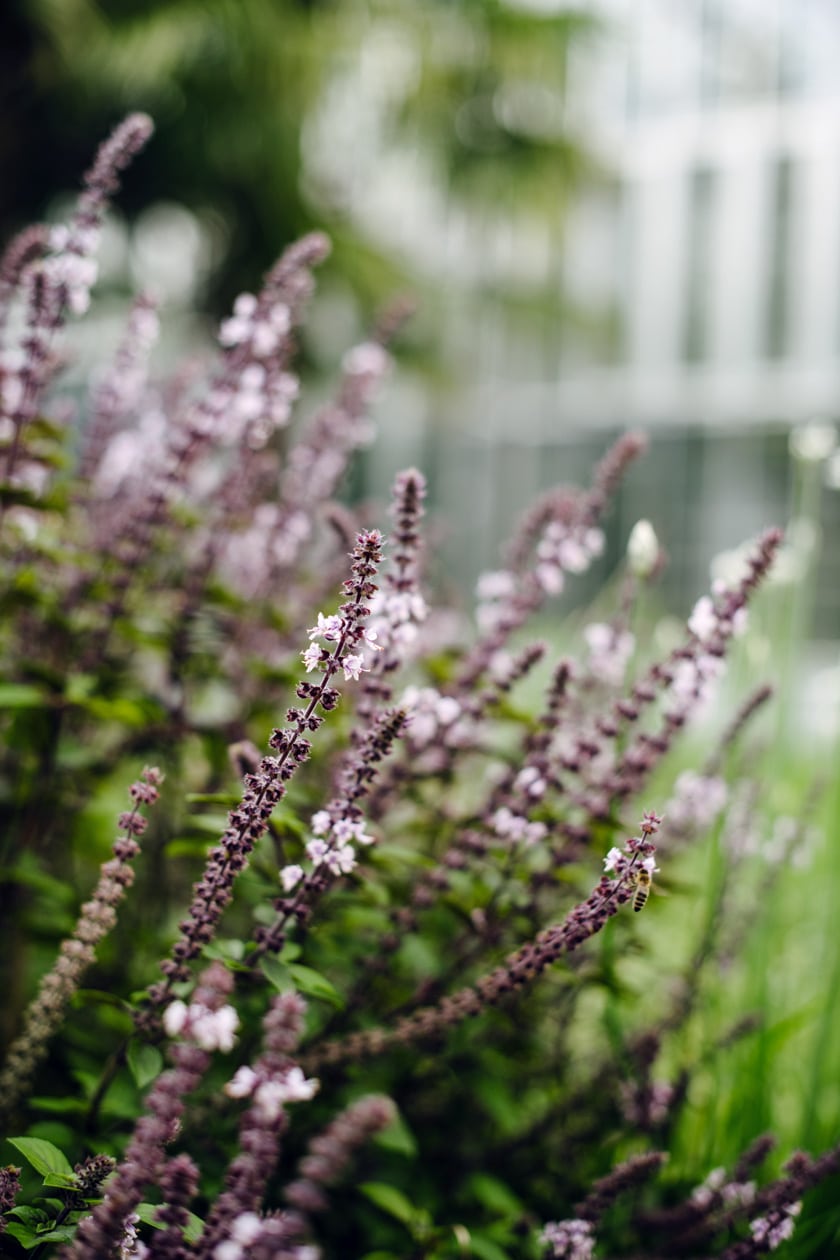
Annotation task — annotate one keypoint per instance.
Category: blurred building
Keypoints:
(702, 270)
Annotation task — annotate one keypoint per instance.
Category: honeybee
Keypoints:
(643, 882)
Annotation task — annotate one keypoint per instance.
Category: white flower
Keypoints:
(613, 860)
(610, 650)
(252, 378)
(369, 636)
(321, 823)
(311, 657)
(246, 1228)
(211, 1030)
(504, 822)
(290, 876)
(421, 704)
(175, 1017)
(573, 555)
(328, 628)
(264, 339)
(280, 318)
(448, 710)
(214, 1030)
(353, 666)
(697, 801)
(342, 860)
(776, 1228)
(550, 578)
(298, 1087)
(130, 1246)
(530, 782)
(367, 359)
(489, 616)
(270, 1097)
(594, 542)
(516, 828)
(569, 1240)
(703, 621)
(740, 621)
(317, 850)
(500, 584)
(228, 1250)
(59, 237)
(241, 1085)
(738, 1192)
(12, 393)
(238, 328)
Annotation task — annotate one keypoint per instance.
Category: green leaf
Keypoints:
(276, 973)
(122, 709)
(287, 823)
(208, 824)
(21, 696)
(397, 1137)
(29, 1215)
(228, 799)
(101, 997)
(485, 1248)
(23, 1234)
(313, 984)
(145, 1062)
(392, 1201)
(192, 1230)
(60, 1181)
(80, 687)
(42, 1155)
(62, 1233)
(27, 871)
(59, 1106)
(180, 847)
(229, 951)
(495, 1195)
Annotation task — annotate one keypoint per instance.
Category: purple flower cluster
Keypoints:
(98, 916)
(344, 632)
(143, 1163)
(428, 857)
(9, 1190)
(55, 276)
(615, 888)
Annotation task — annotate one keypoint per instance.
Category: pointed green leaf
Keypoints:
(192, 1230)
(397, 1137)
(391, 1200)
(145, 1063)
(23, 1234)
(61, 1181)
(485, 1248)
(276, 973)
(313, 984)
(42, 1155)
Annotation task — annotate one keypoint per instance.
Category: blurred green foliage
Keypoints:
(233, 84)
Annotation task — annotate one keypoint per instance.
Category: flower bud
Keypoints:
(642, 549)
(813, 442)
